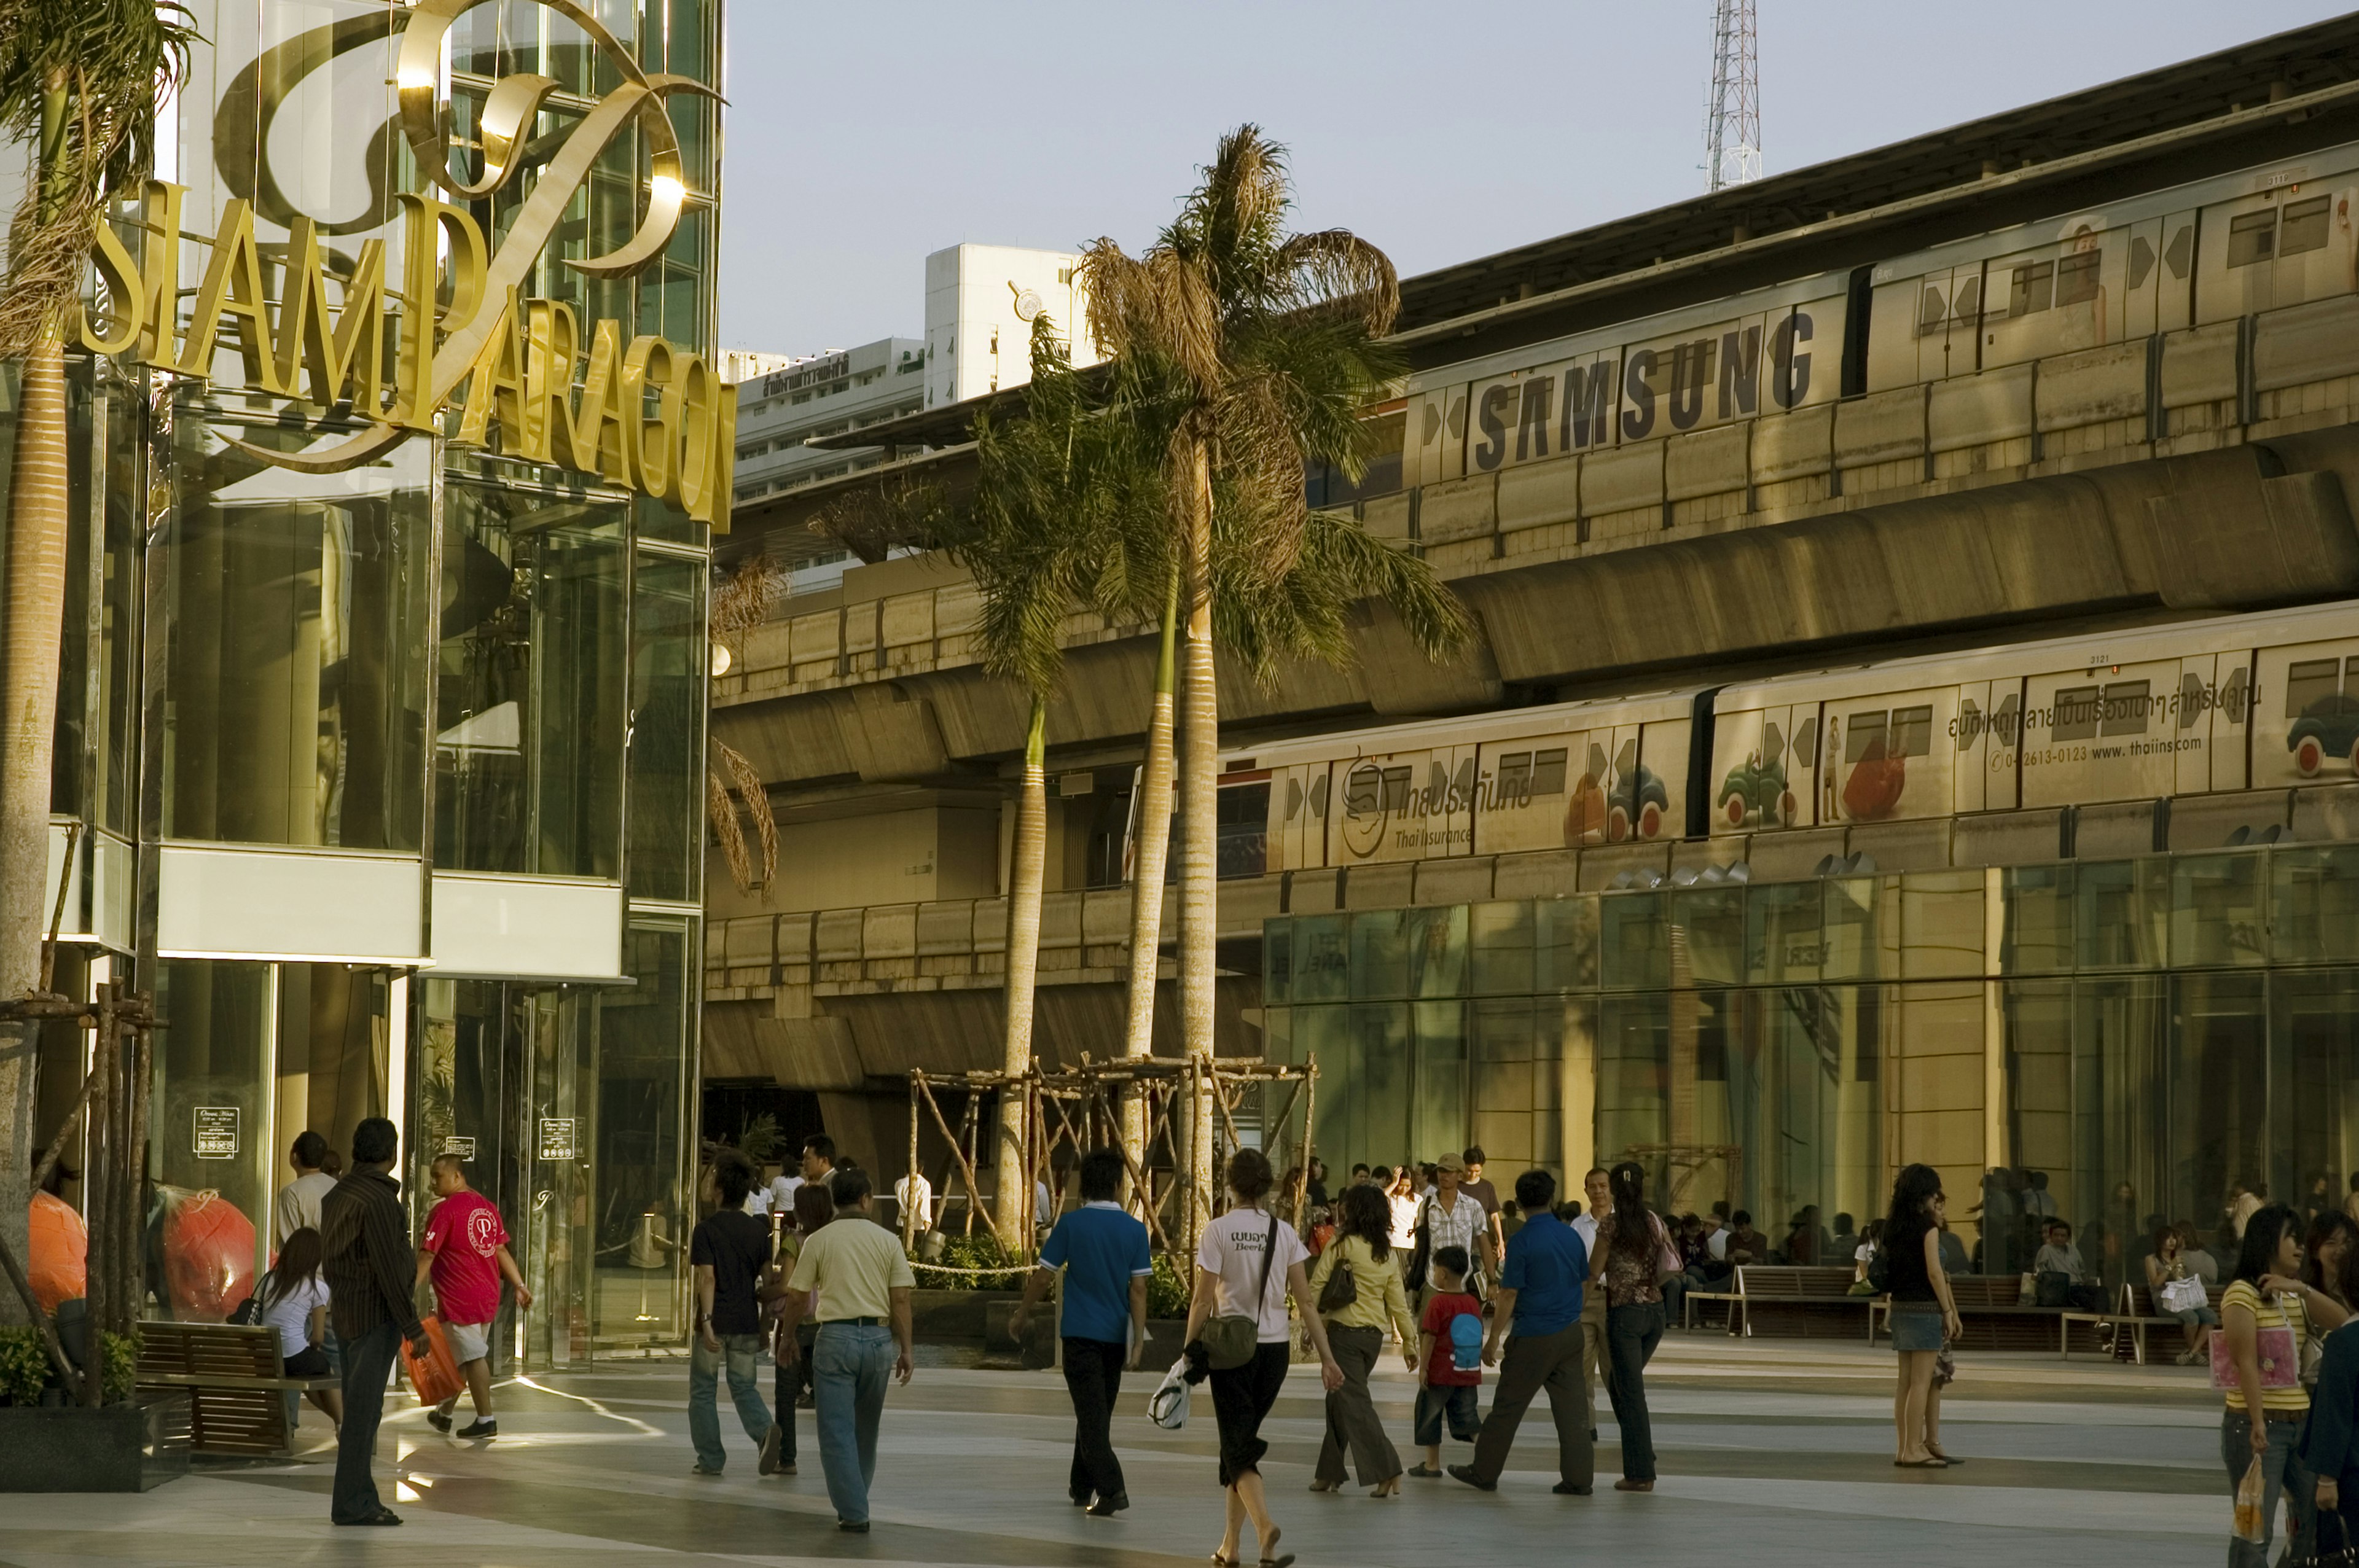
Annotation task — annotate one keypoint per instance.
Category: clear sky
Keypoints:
(862, 136)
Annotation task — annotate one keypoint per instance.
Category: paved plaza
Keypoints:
(1772, 1452)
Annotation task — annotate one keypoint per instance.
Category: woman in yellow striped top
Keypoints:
(2268, 1295)
(1362, 1243)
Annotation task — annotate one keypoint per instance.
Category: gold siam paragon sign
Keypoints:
(396, 353)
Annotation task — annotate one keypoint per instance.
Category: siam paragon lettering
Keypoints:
(395, 353)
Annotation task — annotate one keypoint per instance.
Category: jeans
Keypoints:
(850, 1365)
(787, 1386)
(1457, 1401)
(1631, 1335)
(2281, 1470)
(705, 1370)
(1675, 1295)
(368, 1362)
(1093, 1378)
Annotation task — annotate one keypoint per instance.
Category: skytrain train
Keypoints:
(2258, 701)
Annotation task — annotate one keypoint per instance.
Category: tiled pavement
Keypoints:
(1772, 1452)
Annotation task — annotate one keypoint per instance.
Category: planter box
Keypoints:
(114, 1448)
(959, 1317)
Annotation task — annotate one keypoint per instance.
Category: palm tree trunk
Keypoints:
(1199, 760)
(1015, 1182)
(1154, 845)
(35, 597)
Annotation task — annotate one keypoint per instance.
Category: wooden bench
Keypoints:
(1804, 1302)
(236, 1383)
(2138, 1315)
(1697, 1303)
(1991, 1316)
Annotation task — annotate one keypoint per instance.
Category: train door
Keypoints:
(1522, 791)
(1434, 446)
(1753, 756)
(2315, 256)
(1921, 328)
(1298, 816)
(1882, 762)
(2207, 725)
(2100, 734)
(2235, 271)
(1405, 806)
(1657, 794)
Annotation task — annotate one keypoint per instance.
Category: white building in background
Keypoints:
(980, 303)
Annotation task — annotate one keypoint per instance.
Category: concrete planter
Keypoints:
(114, 1448)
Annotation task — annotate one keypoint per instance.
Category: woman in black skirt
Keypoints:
(1246, 1264)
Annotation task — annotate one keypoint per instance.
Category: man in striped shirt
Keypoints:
(368, 1268)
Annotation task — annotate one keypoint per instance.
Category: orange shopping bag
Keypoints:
(433, 1377)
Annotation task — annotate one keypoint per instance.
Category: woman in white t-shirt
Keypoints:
(1246, 1265)
(293, 1299)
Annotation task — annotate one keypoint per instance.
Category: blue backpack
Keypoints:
(1466, 1341)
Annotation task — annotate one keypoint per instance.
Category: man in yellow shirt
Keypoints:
(863, 1281)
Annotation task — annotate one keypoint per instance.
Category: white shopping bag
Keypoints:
(1167, 1407)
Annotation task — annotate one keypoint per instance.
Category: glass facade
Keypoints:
(440, 658)
(2117, 1043)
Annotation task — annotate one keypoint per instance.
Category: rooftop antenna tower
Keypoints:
(1732, 121)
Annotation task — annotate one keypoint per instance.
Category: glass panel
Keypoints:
(1323, 967)
(1503, 1052)
(1937, 1046)
(527, 763)
(1941, 925)
(1850, 952)
(2121, 913)
(1499, 938)
(1276, 961)
(1379, 1066)
(1785, 931)
(1323, 1035)
(1803, 1107)
(556, 1257)
(1441, 1120)
(1634, 939)
(1708, 935)
(2314, 1085)
(2041, 1127)
(2316, 913)
(1408, 952)
(1705, 1157)
(211, 1135)
(69, 759)
(2039, 903)
(2219, 1116)
(643, 1076)
(667, 680)
(2121, 1121)
(2218, 911)
(297, 608)
(124, 525)
(1565, 937)
(1564, 1083)
(1634, 1070)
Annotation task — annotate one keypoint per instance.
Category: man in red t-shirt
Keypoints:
(465, 1253)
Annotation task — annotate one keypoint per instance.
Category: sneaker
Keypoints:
(1566, 1489)
(703, 1469)
(1466, 1473)
(1627, 1484)
(439, 1420)
(852, 1527)
(481, 1427)
(771, 1442)
(1107, 1508)
(785, 1467)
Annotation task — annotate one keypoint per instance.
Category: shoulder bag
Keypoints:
(1342, 1289)
(2273, 1347)
(1230, 1339)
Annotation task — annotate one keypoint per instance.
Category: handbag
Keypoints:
(1668, 1262)
(1342, 1289)
(2275, 1347)
(1230, 1339)
(2342, 1556)
(2183, 1295)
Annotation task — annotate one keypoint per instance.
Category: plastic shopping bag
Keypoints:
(433, 1377)
(2252, 1524)
(1167, 1406)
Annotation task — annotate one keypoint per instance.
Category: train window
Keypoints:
(1931, 313)
(1912, 732)
(1395, 796)
(1867, 731)
(2305, 226)
(2350, 677)
(2309, 680)
(2034, 283)
(1241, 833)
(2076, 277)
(1362, 790)
(1805, 745)
(2253, 238)
(2126, 707)
(1548, 771)
(2077, 707)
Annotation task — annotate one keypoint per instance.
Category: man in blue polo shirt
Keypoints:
(1104, 1254)
(1540, 1295)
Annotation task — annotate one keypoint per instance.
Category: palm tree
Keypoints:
(1256, 350)
(79, 80)
(741, 602)
(1061, 510)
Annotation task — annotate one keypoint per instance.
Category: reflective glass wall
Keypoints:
(2120, 1045)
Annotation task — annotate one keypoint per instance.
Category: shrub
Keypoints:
(1170, 1287)
(981, 1251)
(24, 1366)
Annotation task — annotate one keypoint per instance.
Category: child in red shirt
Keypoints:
(465, 1252)
(1446, 1388)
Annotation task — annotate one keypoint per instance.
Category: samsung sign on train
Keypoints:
(1690, 371)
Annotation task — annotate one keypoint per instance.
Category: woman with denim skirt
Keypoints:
(1924, 1317)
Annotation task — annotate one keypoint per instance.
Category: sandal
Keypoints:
(1269, 1561)
(1220, 1561)
(1944, 1458)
